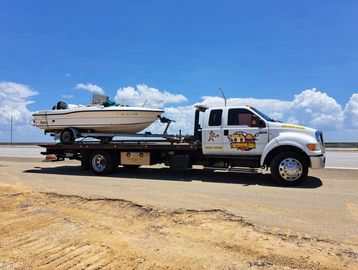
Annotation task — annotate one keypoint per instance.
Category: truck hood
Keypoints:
(292, 127)
(285, 130)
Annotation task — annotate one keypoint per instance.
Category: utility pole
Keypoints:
(11, 129)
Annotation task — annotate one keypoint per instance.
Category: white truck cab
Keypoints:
(242, 136)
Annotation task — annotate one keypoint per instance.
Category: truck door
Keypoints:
(212, 136)
(244, 133)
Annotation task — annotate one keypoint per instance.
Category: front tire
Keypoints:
(102, 162)
(289, 168)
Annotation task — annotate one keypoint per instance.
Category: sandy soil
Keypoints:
(50, 231)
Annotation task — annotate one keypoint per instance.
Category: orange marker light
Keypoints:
(312, 146)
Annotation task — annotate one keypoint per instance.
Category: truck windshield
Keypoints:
(264, 116)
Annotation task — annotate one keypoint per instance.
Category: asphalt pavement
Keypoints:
(339, 159)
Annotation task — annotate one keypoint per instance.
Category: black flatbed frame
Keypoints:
(127, 145)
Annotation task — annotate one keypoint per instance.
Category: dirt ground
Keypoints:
(51, 231)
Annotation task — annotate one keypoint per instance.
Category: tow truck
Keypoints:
(230, 138)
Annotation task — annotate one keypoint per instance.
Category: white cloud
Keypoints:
(69, 96)
(316, 109)
(14, 98)
(275, 107)
(148, 95)
(351, 113)
(183, 117)
(68, 74)
(93, 88)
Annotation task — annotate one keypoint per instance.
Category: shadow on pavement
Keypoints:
(167, 174)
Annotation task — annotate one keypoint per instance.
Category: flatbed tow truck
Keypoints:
(238, 138)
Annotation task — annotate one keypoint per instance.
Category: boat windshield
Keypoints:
(264, 116)
(110, 103)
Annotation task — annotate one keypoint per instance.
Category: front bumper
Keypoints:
(318, 162)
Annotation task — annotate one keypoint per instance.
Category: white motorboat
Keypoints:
(65, 121)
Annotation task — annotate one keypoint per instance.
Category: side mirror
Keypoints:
(257, 122)
(261, 123)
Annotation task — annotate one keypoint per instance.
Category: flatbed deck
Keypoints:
(122, 145)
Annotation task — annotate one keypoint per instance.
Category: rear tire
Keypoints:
(102, 162)
(289, 168)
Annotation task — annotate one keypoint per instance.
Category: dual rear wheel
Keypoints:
(103, 162)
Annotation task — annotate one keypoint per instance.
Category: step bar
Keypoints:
(234, 169)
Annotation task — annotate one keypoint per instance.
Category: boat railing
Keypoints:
(140, 102)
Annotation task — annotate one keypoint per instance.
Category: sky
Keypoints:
(295, 60)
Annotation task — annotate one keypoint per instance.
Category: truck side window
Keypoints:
(239, 117)
(215, 117)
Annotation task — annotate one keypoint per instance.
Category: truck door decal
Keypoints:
(242, 141)
(212, 136)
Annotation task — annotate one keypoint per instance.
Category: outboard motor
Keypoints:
(61, 105)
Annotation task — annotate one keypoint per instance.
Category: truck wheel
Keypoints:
(289, 168)
(68, 135)
(102, 162)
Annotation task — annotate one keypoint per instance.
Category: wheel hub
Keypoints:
(290, 169)
(99, 163)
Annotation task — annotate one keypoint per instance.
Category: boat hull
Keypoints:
(102, 120)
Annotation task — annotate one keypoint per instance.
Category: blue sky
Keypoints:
(253, 49)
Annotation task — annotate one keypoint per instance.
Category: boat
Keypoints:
(102, 116)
